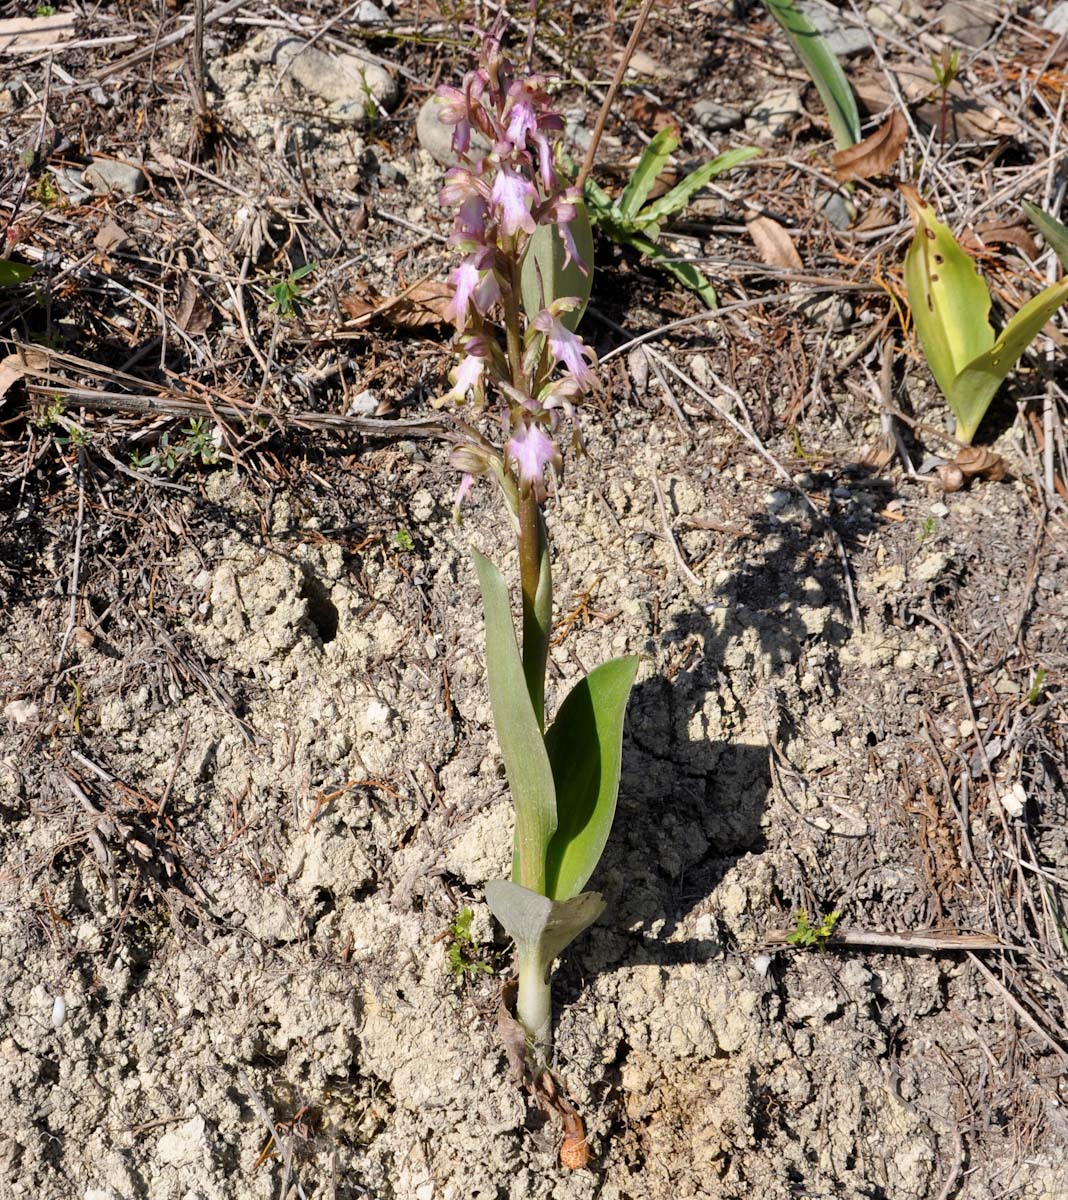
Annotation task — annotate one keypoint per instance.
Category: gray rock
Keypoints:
(715, 117)
(436, 138)
(106, 175)
(368, 13)
(355, 88)
(71, 183)
(838, 209)
(775, 114)
(844, 41)
(967, 21)
(1056, 20)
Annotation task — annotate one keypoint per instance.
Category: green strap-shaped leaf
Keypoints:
(585, 747)
(543, 277)
(823, 67)
(652, 162)
(976, 385)
(1054, 231)
(948, 299)
(537, 924)
(686, 273)
(680, 195)
(13, 272)
(526, 760)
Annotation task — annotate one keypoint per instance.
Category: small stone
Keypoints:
(938, 510)
(715, 117)
(368, 13)
(966, 21)
(775, 114)
(356, 89)
(777, 500)
(436, 138)
(839, 210)
(843, 41)
(107, 175)
(842, 493)
(21, 712)
(365, 404)
(71, 183)
(1056, 20)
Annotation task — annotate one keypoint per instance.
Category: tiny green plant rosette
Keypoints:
(950, 305)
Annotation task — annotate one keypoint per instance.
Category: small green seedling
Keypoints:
(1036, 687)
(824, 69)
(286, 294)
(403, 540)
(632, 222)
(196, 442)
(926, 529)
(945, 69)
(950, 305)
(806, 934)
(463, 950)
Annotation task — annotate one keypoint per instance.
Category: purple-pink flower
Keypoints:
(513, 196)
(532, 450)
(566, 347)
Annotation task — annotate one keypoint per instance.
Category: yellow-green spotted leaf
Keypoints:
(949, 300)
(975, 386)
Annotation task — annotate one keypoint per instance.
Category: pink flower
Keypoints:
(465, 378)
(566, 347)
(475, 284)
(512, 196)
(532, 450)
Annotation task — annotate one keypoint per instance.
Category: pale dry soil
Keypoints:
(238, 821)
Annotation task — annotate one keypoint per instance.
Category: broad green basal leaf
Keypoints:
(585, 748)
(540, 926)
(976, 385)
(543, 277)
(948, 299)
(13, 272)
(526, 760)
(653, 160)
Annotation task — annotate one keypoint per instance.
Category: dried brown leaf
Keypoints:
(12, 368)
(1000, 233)
(773, 243)
(967, 117)
(424, 303)
(193, 313)
(876, 154)
(974, 461)
(877, 454)
(513, 1036)
(21, 35)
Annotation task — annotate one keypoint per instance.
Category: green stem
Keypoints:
(535, 579)
(534, 1005)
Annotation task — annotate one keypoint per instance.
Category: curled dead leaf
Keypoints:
(974, 461)
(950, 478)
(877, 454)
(876, 154)
(424, 303)
(513, 1036)
(1000, 233)
(773, 243)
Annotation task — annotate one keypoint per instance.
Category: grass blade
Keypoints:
(652, 162)
(1055, 233)
(681, 194)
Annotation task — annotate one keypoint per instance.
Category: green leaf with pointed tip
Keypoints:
(585, 747)
(537, 924)
(543, 277)
(976, 385)
(652, 162)
(686, 273)
(680, 195)
(1054, 231)
(948, 298)
(530, 775)
(13, 272)
(824, 69)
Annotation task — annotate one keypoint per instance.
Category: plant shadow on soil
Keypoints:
(691, 807)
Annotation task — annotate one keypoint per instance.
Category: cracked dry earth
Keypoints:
(228, 870)
(244, 800)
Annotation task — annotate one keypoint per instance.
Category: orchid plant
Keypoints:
(518, 295)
